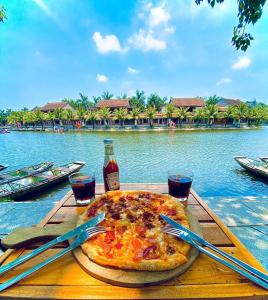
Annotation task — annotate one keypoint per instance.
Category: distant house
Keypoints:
(113, 104)
(228, 102)
(225, 102)
(52, 106)
(191, 103)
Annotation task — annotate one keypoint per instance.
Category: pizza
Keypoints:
(133, 238)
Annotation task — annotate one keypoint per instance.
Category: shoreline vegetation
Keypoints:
(138, 113)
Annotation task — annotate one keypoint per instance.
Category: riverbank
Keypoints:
(61, 129)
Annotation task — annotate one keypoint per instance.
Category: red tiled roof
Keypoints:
(53, 105)
(187, 102)
(113, 103)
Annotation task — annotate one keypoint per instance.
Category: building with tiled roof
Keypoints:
(190, 103)
(225, 102)
(229, 102)
(52, 106)
(113, 104)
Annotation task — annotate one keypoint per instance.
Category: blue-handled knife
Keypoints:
(205, 243)
(70, 234)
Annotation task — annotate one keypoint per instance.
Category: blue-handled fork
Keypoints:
(81, 234)
(237, 265)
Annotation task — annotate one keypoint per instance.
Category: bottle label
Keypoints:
(113, 181)
(109, 150)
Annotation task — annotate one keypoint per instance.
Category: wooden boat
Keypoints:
(34, 183)
(256, 167)
(24, 172)
(2, 167)
(265, 159)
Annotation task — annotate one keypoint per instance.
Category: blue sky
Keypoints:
(52, 49)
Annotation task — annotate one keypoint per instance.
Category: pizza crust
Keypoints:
(123, 258)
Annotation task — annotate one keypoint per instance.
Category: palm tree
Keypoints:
(69, 116)
(228, 114)
(124, 96)
(29, 118)
(150, 114)
(15, 117)
(182, 113)
(96, 99)
(258, 114)
(138, 100)
(211, 112)
(51, 117)
(135, 115)
(121, 115)
(84, 102)
(105, 114)
(199, 115)
(240, 112)
(80, 112)
(39, 117)
(169, 110)
(92, 116)
(156, 101)
(106, 95)
(59, 114)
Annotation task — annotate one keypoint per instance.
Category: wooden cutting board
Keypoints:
(25, 236)
(129, 278)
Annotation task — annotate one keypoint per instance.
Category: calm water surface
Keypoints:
(146, 156)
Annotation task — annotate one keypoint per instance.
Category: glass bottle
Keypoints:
(110, 168)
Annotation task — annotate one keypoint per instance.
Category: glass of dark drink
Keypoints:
(179, 184)
(83, 186)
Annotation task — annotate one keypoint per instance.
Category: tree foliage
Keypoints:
(213, 100)
(138, 101)
(249, 12)
(107, 95)
(82, 101)
(156, 101)
(2, 14)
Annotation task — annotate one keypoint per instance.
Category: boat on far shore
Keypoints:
(41, 181)
(3, 131)
(258, 168)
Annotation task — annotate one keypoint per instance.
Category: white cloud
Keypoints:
(107, 43)
(242, 63)
(43, 6)
(158, 15)
(102, 78)
(133, 70)
(145, 41)
(169, 30)
(224, 80)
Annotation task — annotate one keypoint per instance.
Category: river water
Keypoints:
(146, 156)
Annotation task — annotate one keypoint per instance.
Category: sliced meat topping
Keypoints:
(170, 250)
(116, 216)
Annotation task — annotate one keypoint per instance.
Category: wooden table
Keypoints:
(64, 279)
